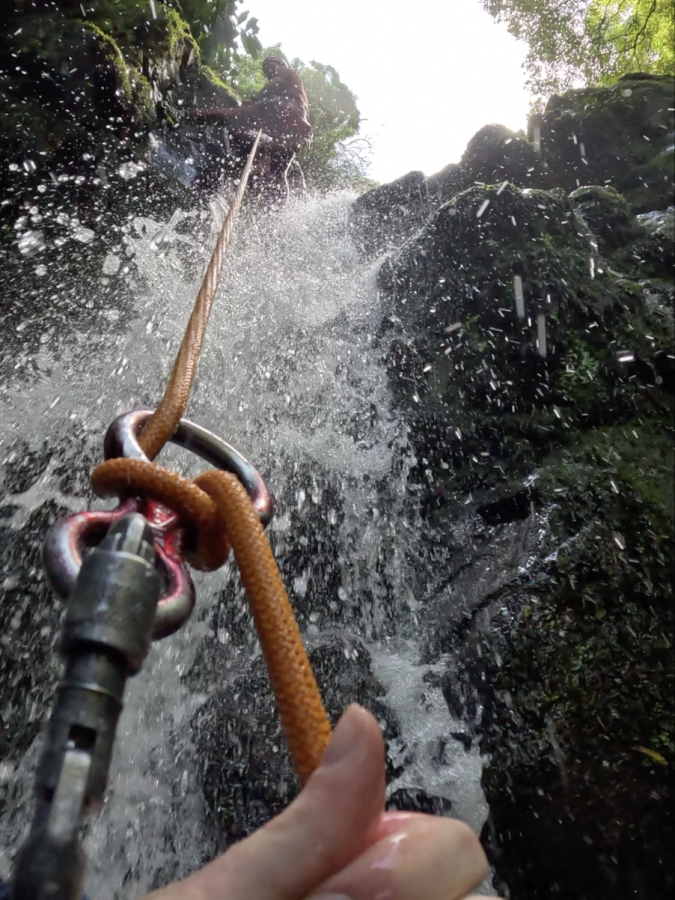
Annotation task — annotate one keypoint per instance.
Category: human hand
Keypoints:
(335, 843)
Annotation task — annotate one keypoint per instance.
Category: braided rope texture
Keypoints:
(217, 505)
(166, 417)
(218, 510)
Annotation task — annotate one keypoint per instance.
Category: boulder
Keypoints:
(496, 153)
(622, 136)
(529, 335)
(386, 216)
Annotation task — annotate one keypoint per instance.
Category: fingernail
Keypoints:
(345, 738)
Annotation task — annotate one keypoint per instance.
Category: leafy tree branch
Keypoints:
(574, 42)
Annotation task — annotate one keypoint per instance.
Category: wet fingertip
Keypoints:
(346, 737)
(391, 822)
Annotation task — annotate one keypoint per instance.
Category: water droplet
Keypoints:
(481, 209)
(520, 298)
(111, 264)
(129, 170)
(541, 335)
(31, 242)
(83, 235)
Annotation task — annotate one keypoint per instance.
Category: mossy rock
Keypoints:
(618, 136)
(651, 252)
(469, 373)
(579, 710)
(495, 153)
(607, 214)
(574, 676)
(78, 89)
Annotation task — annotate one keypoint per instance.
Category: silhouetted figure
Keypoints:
(280, 109)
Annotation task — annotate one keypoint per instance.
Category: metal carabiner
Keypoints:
(68, 538)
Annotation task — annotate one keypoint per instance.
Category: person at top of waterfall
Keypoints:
(334, 842)
(281, 108)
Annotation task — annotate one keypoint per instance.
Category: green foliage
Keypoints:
(338, 156)
(220, 29)
(589, 41)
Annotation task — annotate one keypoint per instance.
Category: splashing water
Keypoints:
(291, 374)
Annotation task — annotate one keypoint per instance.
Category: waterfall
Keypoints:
(292, 374)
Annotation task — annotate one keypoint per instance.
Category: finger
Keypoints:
(391, 822)
(329, 824)
(428, 858)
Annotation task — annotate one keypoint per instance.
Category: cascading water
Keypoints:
(292, 375)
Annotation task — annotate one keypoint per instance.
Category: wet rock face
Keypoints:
(621, 136)
(247, 774)
(78, 93)
(30, 614)
(529, 336)
(387, 216)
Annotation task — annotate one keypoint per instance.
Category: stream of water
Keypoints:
(291, 374)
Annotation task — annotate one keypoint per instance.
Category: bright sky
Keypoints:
(427, 74)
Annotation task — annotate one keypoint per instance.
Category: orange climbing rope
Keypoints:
(217, 506)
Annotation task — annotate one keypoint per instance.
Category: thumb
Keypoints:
(332, 821)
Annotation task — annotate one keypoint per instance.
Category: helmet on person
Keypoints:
(272, 63)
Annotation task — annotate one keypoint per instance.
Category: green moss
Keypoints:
(143, 98)
(215, 79)
(115, 56)
(178, 32)
(135, 87)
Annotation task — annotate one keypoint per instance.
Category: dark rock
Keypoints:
(447, 183)
(550, 475)
(654, 251)
(567, 671)
(247, 774)
(621, 136)
(608, 216)
(385, 217)
(496, 153)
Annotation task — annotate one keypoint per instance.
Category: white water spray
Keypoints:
(291, 374)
